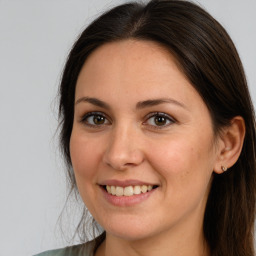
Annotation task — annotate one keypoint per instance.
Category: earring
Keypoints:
(224, 168)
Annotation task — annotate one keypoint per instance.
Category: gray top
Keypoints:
(86, 249)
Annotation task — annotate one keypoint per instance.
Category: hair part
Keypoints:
(209, 60)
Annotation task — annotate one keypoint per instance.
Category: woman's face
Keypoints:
(143, 132)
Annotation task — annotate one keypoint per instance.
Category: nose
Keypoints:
(123, 149)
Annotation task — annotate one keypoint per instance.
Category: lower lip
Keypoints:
(127, 200)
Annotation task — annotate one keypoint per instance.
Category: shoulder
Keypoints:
(76, 250)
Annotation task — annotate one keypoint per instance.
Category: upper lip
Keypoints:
(125, 183)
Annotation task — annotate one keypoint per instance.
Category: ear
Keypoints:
(230, 144)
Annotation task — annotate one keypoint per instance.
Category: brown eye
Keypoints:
(97, 119)
(160, 120)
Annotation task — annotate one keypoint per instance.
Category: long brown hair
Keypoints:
(209, 60)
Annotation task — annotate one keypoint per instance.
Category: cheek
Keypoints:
(84, 157)
(184, 165)
(175, 155)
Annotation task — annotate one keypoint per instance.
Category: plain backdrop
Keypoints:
(35, 37)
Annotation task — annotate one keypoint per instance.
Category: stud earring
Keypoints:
(224, 168)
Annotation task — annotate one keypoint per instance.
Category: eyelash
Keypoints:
(93, 115)
(166, 118)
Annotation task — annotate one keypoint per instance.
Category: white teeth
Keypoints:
(119, 191)
(136, 190)
(129, 190)
(144, 188)
(113, 190)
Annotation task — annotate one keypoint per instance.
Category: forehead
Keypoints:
(136, 50)
(134, 69)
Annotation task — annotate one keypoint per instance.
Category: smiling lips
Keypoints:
(129, 190)
(124, 193)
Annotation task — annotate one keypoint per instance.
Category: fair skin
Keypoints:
(137, 121)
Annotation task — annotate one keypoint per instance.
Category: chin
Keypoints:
(130, 229)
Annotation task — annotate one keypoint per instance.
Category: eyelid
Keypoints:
(84, 118)
(94, 113)
(162, 114)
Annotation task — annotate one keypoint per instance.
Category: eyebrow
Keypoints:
(93, 101)
(139, 105)
(155, 102)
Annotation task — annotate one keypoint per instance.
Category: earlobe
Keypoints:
(232, 138)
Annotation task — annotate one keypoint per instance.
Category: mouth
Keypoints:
(128, 190)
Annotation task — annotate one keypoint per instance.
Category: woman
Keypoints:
(158, 132)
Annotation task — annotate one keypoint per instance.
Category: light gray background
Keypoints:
(35, 37)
